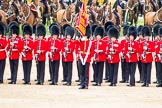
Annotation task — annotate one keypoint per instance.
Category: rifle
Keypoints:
(95, 55)
(161, 53)
(129, 53)
(110, 56)
(52, 50)
(144, 53)
(25, 50)
(37, 55)
(65, 46)
(10, 50)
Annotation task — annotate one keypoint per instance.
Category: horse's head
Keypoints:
(109, 9)
(71, 7)
(147, 2)
(24, 12)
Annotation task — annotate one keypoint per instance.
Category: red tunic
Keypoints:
(3, 45)
(115, 56)
(43, 47)
(29, 51)
(54, 53)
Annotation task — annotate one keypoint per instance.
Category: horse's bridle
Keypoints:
(24, 18)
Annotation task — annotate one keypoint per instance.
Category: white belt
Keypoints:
(2, 49)
(14, 49)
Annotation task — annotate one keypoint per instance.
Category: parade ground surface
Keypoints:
(48, 96)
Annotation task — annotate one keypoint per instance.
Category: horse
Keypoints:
(40, 6)
(55, 7)
(115, 17)
(26, 15)
(3, 17)
(92, 17)
(12, 12)
(152, 18)
(66, 16)
(132, 12)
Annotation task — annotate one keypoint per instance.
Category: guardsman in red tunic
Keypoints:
(3, 45)
(139, 41)
(99, 55)
(40, 49)
(67, 51)
(85, 53)
(27, 53)
(63, 65)
(124, 68)
(131, 50)
(77, 41)
(93, 30)
(50, 72)
(114, 49)
(146, 49)
(158, 51)
(107, 26)
(156, 40)
(54, 48)
(14, 48)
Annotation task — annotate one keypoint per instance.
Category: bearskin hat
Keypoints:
(155, 29)
(125, 30)
(14, 29)
(99, 31)
(113, 32)
(27, 29)
(132, 31)
(93, 28)
(107, 24)
(10, 25)
(108, 28)
(139, 29)
(64, 27)
(51, 26)
(160, 32)
(88, 31)
(40, 30)
(146, 31)
(54, 30)
(69, 31)
(3, 28)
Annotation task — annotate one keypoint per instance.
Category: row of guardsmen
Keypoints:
(104, 48)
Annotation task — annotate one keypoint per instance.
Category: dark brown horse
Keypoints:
(132, 6)
(115, 17)
(41, 7)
